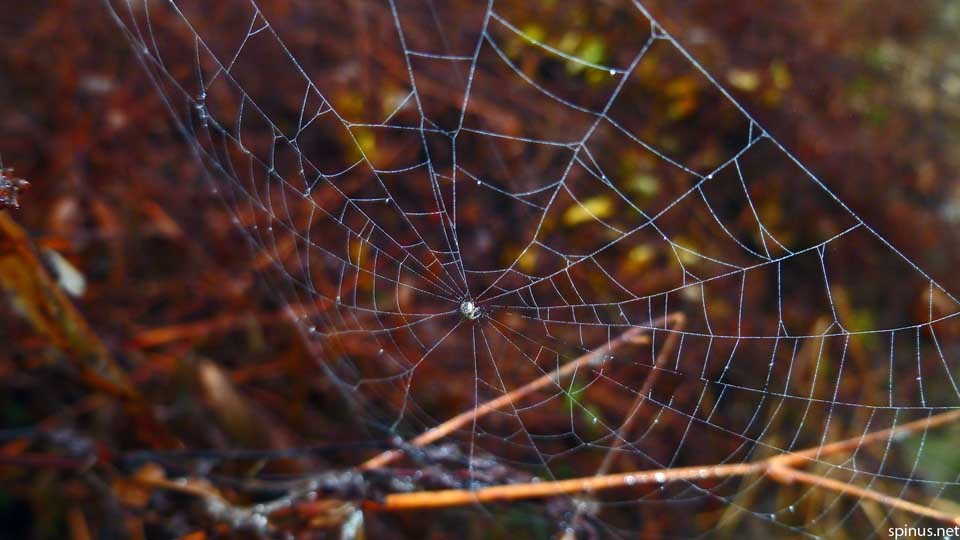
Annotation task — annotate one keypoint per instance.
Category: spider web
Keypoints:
(459, 199)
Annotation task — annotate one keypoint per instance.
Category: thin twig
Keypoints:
(679, 322)
(164, 335)
(853, 443)
(538, 490)
(633, 336)
(776, 468)
(787, 475)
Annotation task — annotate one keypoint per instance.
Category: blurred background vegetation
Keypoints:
(867, 94)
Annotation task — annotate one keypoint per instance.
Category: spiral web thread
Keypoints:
(458, 199)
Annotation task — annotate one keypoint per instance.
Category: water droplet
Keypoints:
(791, 508)
(260, 523)
(613, 72)
(703, 473)
(630, 480)
(660, 477)
(380, 351)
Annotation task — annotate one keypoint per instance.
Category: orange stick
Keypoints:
(632, 336)
(777, 468)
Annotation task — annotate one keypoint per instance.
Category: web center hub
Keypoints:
(470, 310)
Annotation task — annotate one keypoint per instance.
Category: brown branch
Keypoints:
(164, 335)
(777, 468)
(538, 490)
(679, 322)
(787, 475)
(623, 432)
(193, 487)
(853, 443)
(47, 461)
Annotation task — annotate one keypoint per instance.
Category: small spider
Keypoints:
(470, 310)
(10, 187)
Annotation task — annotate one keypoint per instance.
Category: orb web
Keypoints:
(460, 199)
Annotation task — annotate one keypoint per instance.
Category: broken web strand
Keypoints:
(446, 282)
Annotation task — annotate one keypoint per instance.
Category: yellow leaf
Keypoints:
(598, 207)
(527, 261)
(534, 32)
(644, 184)
(642, 254)
(682, 87)
(743, 79)
(781, 75)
